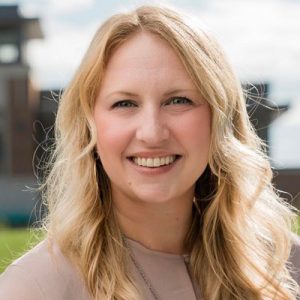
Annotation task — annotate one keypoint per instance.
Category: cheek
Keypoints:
(195, 132)
(111, 137)
(203, 135)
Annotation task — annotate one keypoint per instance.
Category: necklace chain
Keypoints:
(142, 272)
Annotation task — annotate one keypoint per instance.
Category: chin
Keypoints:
(154, 197)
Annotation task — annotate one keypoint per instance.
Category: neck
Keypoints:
(157, 226)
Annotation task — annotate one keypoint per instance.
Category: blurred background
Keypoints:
(43, 41)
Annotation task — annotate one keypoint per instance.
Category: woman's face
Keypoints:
(153, 127)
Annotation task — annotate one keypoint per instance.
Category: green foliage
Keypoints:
(296, 226)
(15, 242)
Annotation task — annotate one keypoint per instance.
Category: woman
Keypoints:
(158, 187)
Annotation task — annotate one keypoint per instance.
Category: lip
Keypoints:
(152, 154)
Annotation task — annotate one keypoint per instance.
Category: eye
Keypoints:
(124, 104)
(179, 101)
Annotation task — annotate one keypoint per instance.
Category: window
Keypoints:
(9, 50)
(8, 53)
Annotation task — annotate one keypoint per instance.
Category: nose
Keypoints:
(152, 128)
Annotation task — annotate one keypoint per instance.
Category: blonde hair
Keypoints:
(241, 230)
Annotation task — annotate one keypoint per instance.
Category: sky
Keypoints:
(260, 37)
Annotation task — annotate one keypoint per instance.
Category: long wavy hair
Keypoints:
(240, 237)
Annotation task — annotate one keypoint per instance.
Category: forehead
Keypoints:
(143, 46)
(145, 56)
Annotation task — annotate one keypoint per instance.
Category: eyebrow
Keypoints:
(168, 93)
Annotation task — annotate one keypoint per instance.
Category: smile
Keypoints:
(154, 162)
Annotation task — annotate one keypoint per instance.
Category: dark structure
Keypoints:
(262, 112)
(19, 99)
(19, 103)
(44, 127)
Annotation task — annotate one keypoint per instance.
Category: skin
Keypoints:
(140, 111)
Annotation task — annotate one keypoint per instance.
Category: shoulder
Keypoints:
(42, 273)
(294, 258)
(15, 282)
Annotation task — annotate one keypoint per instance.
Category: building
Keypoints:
(262, 113)
(19, 101)
(18, 98)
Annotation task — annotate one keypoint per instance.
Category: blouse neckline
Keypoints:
(135, 245)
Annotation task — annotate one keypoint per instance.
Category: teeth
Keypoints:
(150, 162)
(154, 162)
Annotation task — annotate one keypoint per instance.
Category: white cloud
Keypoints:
(284, 135)
(261, 37)
(56, 58)
(54, 7)
(290, 118)
(69, 6)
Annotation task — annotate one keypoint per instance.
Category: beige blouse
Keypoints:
(48, 275)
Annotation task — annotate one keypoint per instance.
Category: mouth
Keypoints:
(154, 162)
